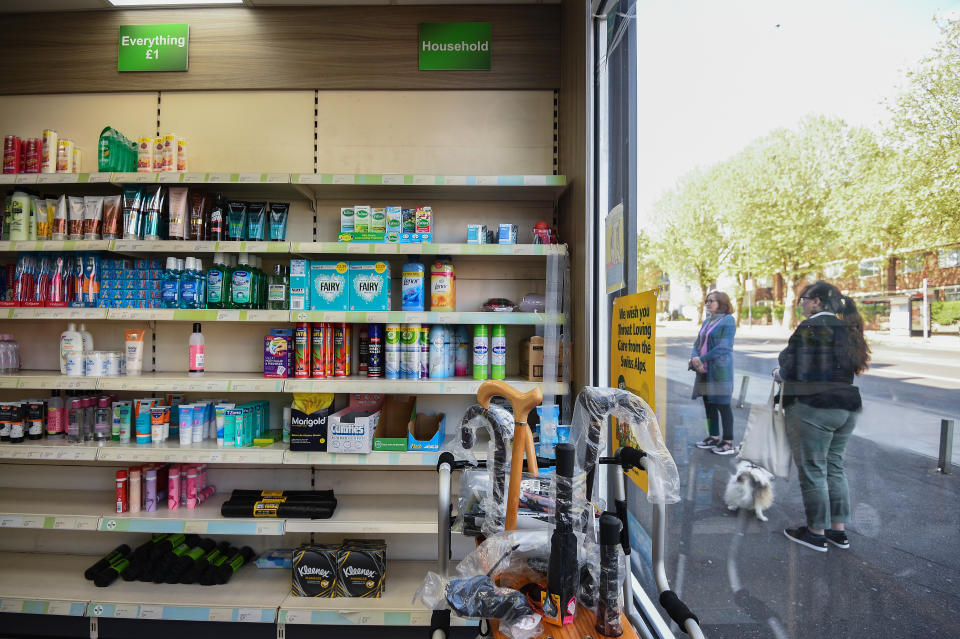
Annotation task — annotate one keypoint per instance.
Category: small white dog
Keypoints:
(750, 487)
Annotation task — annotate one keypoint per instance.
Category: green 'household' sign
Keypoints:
(447, 46)
(153, 47)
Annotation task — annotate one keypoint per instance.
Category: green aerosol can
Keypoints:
(498, 352)
(481, 351)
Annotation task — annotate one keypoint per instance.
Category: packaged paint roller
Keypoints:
(59, 229)
(178, 212)
(145, 155)
(196, 222)
(279, 211)
(111, 216)
(256, 220)
(45, 220)
(236, 220)
(132, 205)
(157, 155)
(75, 218)
(92, 216)
(169, 158)
(181, 155)
(48, 151)
(152, 209)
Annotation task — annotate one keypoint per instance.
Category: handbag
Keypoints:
(765, 440)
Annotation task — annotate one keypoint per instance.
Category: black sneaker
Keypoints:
(804, 537)
(723, 448)
(709, 442)
(837, 537)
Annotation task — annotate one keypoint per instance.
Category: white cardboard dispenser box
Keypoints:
(351, 429)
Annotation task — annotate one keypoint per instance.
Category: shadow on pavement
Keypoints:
(900, 577)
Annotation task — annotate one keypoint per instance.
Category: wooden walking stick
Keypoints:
(522, 404)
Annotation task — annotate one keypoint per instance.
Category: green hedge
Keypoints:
(945, 313)
(778, 312)
(759, 312)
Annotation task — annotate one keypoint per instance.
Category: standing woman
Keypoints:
(821, 405)
(712, 359)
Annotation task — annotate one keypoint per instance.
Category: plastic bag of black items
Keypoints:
(510, 559)
(637, 427)
(499, 305)
(474, 484)
(533, 303)
(496, 420)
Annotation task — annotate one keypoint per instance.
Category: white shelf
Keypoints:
(204, 520)
(256, 383)
(394, 608)
(376, 248)
(449, 386)
(232, 315)
(205, 452)
(43, 583)
(380, 514)
(52, 509)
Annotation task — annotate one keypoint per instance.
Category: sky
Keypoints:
(716, 74)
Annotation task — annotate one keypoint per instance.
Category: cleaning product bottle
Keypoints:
(241, 293)
(189, 286)
(195, 352)
(481, 347)
(436, 364)
(443, 285)
(448, 352)
(498, 352)
(86, 338)
(170, 285)
(462, 356)
(55, 414)
(216, 282)
(278, 289)
(412, 277)
(70, 342)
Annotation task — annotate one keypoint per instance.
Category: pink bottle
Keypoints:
(173, 488)
(56, 415)
(192, 487)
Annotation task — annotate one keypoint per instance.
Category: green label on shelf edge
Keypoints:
(153, 47)
(454, 46)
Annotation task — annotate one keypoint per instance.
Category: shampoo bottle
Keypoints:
(195, 352)
(70, 342)
(86, 338)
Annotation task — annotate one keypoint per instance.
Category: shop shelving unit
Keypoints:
(45, 583)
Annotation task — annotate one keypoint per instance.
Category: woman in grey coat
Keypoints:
(712, 359)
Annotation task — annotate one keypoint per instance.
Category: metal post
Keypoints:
(946, 446)
(743, 390)
(926, 312)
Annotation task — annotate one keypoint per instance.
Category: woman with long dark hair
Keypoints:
(712, 359)
(821, 405)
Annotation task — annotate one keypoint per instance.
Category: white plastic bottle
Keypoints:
(436, 363)
(70, 342)
(87, 339)
(195, 352)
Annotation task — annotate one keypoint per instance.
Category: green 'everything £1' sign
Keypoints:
(448, 46)
(153, 47)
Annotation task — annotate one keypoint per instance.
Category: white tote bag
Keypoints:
(765, 440)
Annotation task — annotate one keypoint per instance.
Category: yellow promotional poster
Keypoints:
(633, 337)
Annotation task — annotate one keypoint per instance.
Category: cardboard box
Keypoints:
(394, 224)
(299, 285)
(476, 234)
(531, 360)
(351, 429)
(369, 286)
(309, 432)
(329, 286)
(426, 432)
(391, 433)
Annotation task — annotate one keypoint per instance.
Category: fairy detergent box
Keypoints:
(329, 286)
(369, 286)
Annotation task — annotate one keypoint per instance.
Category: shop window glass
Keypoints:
(870, 268)
(947, 258)
(912, 263)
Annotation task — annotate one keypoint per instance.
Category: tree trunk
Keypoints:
(789, 300)
(701, 306)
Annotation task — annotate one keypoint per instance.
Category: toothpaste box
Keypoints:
(361, 219)
(369, 286)
(347, 218)
(508, 234)
(394, 224)
(329, 286)
(299, 285)
(476, 234)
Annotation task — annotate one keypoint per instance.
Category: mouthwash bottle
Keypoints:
(217, 282)
(170, 285)
(201, 282)
(243, 287)
(190, 285)
(260, 299)
(278, 290)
